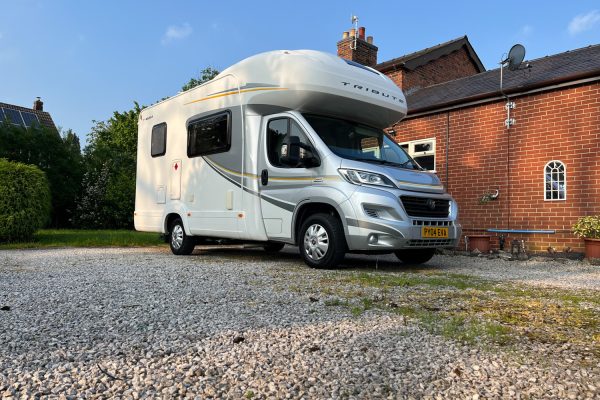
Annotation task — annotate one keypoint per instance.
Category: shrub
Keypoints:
(24, 201)
(587, 227)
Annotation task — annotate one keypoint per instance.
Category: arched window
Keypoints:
(555, 181)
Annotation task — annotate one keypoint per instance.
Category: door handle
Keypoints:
(264, 177)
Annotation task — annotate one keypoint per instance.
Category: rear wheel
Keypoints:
(273, 247)
(322, 242)
(180, 243)
(415, 256)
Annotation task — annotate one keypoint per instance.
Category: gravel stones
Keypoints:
(139, 323)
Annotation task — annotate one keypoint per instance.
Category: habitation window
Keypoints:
(209, 135)
(159, 140)
(423, 152)
(555, 181)
(277, 131)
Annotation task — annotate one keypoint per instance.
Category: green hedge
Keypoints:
(24, 201)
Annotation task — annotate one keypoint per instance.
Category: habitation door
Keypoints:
(282, 176)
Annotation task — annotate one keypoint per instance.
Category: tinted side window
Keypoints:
(209, 135)
(277, 131)
(159, 140)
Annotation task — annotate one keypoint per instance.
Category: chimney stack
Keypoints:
(365, 52)
(38, 104)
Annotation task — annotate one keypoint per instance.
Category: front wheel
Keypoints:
(180, 243)
(415, 256)
(322, 241)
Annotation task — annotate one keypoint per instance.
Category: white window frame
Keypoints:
(564, 172)
(411, 150)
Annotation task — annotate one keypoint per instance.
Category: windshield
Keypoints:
(360, 142)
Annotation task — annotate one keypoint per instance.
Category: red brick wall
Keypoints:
(365, 53)
(397, 77)
(483, 156)
(447, 68)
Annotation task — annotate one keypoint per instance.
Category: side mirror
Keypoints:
(297, 154)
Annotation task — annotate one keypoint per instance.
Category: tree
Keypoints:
(108, 195)
(58, 156)
(206, 75)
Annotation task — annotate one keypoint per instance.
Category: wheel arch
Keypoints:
(169, 218)
(313, 206)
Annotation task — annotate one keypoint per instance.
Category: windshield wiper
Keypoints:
(392, 163)
(405, 164)
(384, 162)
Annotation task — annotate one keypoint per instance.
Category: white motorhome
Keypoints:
(288, 147)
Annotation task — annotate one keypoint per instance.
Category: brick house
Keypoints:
(26, 116)
(545, 167)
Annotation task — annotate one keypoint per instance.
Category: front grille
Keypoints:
(421, 222)
(430, 243)
(425, 207)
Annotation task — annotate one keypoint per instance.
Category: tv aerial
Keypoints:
(354, 20)
(515, 58)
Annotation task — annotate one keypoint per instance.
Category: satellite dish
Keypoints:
(516, 55)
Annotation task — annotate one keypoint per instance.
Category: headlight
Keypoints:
(365, 178)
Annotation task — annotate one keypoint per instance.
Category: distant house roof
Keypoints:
(422, 57)
(25, 116)
(560, 68)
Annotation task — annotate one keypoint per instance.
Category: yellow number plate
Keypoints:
(434, 232)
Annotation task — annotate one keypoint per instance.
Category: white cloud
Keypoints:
(584, 22)
(526, 30)
(177, 32)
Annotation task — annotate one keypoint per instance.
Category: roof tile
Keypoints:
(563, 67)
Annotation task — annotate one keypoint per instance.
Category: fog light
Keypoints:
(373, 238)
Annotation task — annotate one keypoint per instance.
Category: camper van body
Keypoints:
(215, 160)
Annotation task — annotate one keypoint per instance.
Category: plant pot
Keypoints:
(592, 248)
(479, 242)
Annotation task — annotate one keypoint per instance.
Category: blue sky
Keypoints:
(87, 59)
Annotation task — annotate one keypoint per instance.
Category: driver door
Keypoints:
(281, 184)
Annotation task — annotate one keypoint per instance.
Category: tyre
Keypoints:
(415, 256)
(273, 247)
(322, 241)
(180, 243)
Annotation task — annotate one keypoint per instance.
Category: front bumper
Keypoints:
(382, 223)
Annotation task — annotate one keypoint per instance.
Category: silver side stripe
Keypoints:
(276, 202)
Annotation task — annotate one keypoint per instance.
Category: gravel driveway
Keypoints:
(139, 323)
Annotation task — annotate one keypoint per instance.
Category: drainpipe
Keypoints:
(508, 177)
(447, 148)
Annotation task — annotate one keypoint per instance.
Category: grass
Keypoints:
(87, 238)
(475, 310)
